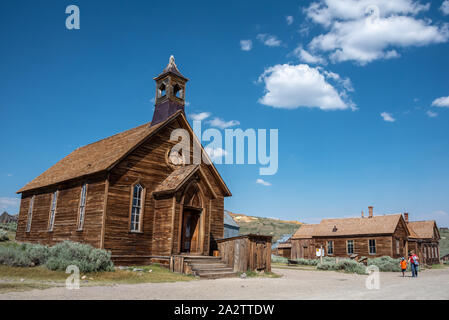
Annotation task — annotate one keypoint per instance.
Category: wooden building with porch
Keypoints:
(371, 236)
(133, 193)
(424, 240)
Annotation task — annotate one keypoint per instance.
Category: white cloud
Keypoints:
(432, 114)
(11, 204)
(387, 117)
(327, 11)
(441, 102)
(269, 40)
(354, 36)
(215, 153)
(199, 116)
(263, 182)
(217, 122)
(246, 45)
(445, 7)
(9, 174)
(289, 20)
(307, 57)
(293, 86)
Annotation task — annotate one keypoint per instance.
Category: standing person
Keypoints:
(403, 264)
(414, 262)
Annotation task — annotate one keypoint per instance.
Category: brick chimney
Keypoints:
(363, 215)
(370, 209)
(406, 217)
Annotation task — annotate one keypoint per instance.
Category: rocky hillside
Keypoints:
(266, 226)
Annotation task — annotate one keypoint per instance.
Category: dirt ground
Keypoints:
(294, 284)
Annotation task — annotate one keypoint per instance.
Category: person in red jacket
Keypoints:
(414, 263)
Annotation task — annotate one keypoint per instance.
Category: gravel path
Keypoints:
(295, 284)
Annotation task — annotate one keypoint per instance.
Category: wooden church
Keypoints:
(130, 193)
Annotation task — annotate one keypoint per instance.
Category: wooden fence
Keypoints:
(246, 253)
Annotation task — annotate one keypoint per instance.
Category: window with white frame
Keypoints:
(136, 209)
(30, 214)
(372, 246)
(330, 247)
(397, 247)
(54, 200)
(350, 246)
(82, 208)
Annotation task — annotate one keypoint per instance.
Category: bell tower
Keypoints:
(170, 92)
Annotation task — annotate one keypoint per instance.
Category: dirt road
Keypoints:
(295, 284)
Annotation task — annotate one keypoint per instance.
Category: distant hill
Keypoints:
(266, 226)
(444, 242)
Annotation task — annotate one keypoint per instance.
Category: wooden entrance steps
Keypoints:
(209, 267)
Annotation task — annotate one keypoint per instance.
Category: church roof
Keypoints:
(176, 179)
(171, 68)
(101, 156)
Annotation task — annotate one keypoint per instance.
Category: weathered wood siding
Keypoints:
(66, 217)
(361, 245)
(246, 253)
(161, 222)
(303, 249)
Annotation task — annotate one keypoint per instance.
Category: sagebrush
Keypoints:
(58, 257)
(3, 235)
(278, 259)
(346, 265)
(386, 264)
(11, 226)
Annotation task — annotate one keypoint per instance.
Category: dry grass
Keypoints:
(20, 279)
(20, 286)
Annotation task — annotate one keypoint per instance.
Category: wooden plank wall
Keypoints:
(383, 246)
(147, 164)
(246, 253)
(66, 217)
(303, 249)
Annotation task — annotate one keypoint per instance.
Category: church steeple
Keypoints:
(170, 92)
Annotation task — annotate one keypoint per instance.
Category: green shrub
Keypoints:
(351, 266)
(87, 258)
(278, 259)
(345, 265)
(14, 257)
(58, 257)
(307, 262)
(37, 253)
(11, 226)
(326, 265)
(386, 264)
(3, 235)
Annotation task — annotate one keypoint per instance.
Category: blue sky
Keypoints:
(357, 93)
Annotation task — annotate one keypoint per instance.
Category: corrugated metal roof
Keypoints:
(228, 220)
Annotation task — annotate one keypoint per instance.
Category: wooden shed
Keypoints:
(132, 193)
(283, 249)
(246, 252)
